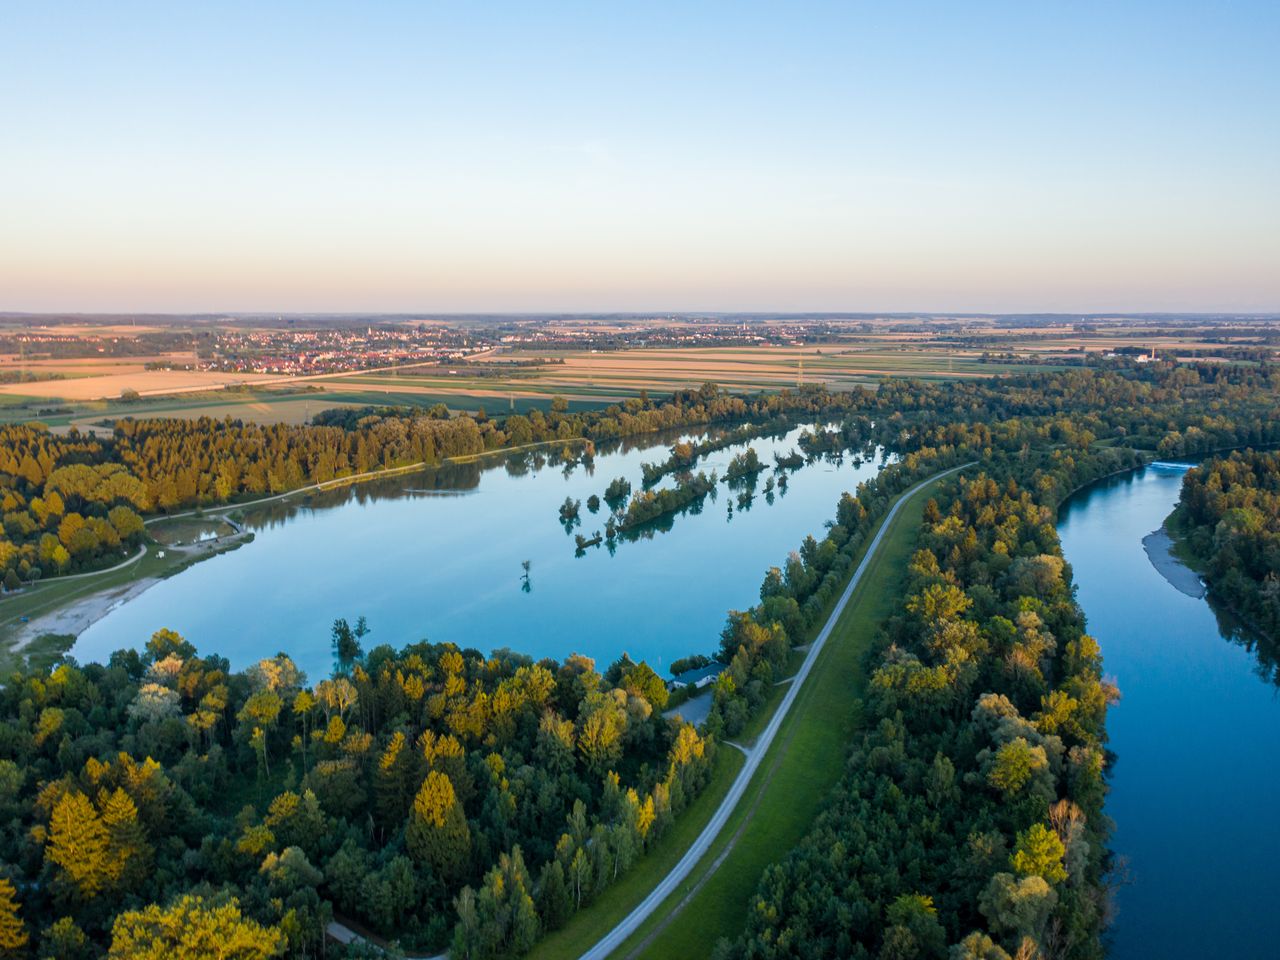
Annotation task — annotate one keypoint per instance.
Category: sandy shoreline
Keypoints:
(76, 617)
(1159, 547)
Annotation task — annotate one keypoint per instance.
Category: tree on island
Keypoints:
(346, 643)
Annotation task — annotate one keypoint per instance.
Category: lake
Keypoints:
(1196, 786)
(438, 555)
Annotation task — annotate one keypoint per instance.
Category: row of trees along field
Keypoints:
(1229, 513)
(969, 822)
(432, 794)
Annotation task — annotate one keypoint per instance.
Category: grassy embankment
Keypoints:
(803, 764)
(587, 926)
(788, 791)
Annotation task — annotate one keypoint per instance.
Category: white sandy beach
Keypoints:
(77, 616)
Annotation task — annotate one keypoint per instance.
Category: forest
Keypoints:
(441, 796)
(1229, 514)
(433, 795)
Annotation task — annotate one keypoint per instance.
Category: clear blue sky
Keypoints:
(476, 156)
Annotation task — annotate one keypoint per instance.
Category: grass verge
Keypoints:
(802, 765)
(587, 926)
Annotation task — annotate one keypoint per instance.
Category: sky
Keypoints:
(484, 157)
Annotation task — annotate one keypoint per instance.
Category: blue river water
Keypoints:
(438, 555)
(1195, 787)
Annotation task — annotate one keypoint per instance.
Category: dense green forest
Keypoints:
(969, 822)
(1230, 515)
(439, 795)
(415, 778)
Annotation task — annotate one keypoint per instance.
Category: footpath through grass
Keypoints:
(793, 782)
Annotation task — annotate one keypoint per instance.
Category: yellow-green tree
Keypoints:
(438, 833)
(128, 852)
(601, 727)
(78, 845)
(192, 929)
(395, 779)
(64, 940)
(260, 712)
(13, 934)
(1039, 852)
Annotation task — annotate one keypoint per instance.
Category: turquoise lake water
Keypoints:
(438, 555)
(1195, 787)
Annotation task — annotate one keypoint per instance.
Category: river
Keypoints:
(439, 554)
(1195, 787)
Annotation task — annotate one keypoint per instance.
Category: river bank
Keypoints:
(1159, 547)
(1193, 734)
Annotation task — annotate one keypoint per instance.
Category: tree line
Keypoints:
(1229, 513)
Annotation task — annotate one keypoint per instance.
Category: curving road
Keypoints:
(629, 924)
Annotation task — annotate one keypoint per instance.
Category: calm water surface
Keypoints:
(1195, 790)
(438, 555)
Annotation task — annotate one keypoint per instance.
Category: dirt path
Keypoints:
(346, 936)
(142, 552)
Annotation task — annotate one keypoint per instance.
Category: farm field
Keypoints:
(603, 375)
(87, 393)
(87, 385)
(89, 396)
(519, 377)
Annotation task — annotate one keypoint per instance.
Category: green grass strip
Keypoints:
(802, 765)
